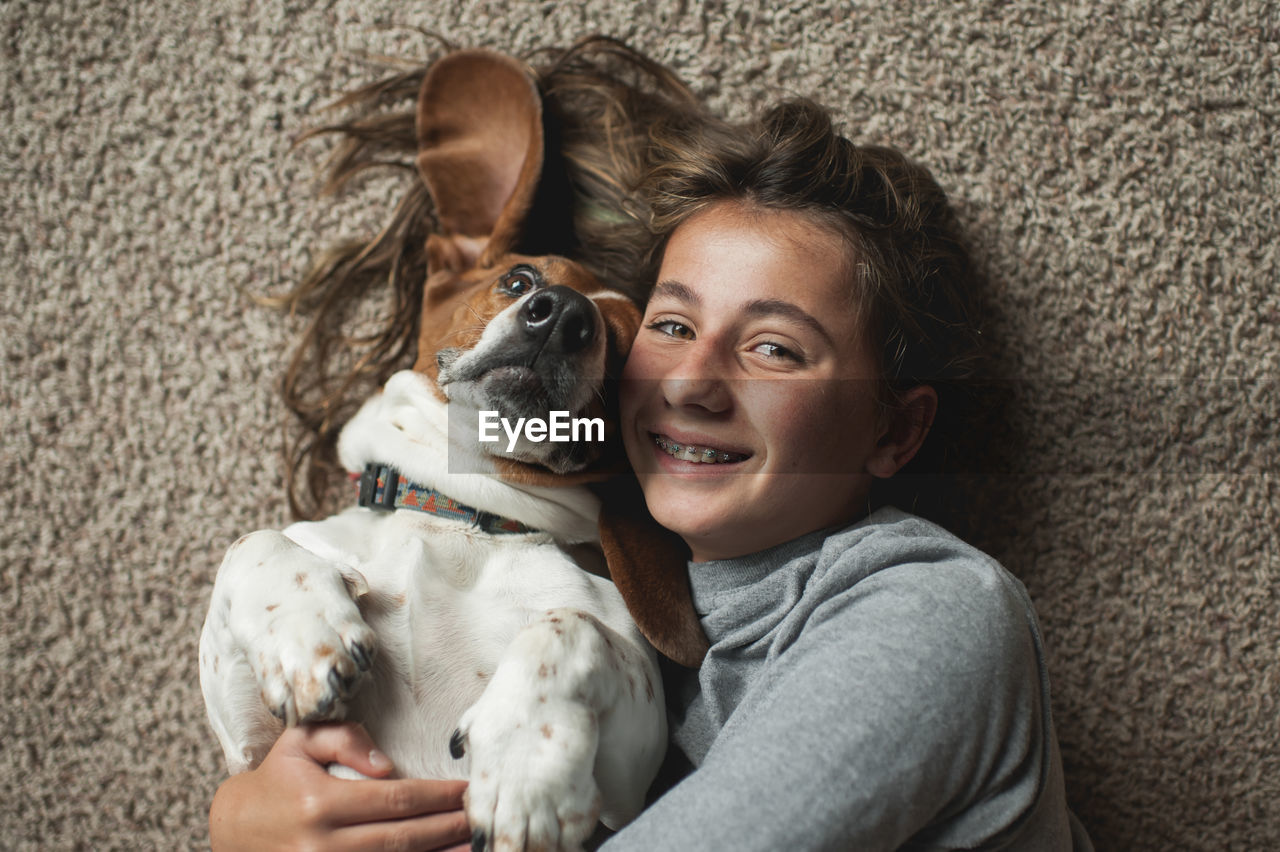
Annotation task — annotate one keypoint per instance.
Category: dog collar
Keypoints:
(382, 487)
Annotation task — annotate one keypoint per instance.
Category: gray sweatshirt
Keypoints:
(881, 686)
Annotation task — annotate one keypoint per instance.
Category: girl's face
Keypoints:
(749, 398)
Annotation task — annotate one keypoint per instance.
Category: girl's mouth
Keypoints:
(695, 453)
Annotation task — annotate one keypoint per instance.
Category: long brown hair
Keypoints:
(602, 101)
(634, 154)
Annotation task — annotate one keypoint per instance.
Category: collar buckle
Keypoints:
(378, 486)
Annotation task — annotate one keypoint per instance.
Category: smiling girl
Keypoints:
(749, 420)
(873, 682)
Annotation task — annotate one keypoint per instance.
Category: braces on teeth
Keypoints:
(688, 452)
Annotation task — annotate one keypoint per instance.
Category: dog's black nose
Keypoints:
(560, 319)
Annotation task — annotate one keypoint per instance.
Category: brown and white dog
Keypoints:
(443, 612)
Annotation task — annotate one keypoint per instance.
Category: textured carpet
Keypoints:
(1115, 165)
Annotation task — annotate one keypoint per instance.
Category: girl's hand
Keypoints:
(290, 801)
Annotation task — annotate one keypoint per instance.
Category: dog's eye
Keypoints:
(520, 281)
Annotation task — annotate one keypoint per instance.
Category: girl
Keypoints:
(873, 682)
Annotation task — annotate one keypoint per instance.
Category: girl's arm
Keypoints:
(291, 801)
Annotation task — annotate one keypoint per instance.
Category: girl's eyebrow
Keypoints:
(786, 310)
(671, 289)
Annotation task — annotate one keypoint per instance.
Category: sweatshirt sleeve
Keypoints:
(909, 708)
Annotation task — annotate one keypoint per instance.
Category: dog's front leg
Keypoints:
(283, 633)
(573, 710)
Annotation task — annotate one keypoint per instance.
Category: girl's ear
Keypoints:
(909, 422)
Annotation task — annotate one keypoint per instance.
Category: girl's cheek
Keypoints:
(640, 362)
(631, 393)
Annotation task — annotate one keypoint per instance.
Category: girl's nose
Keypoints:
(697, 380)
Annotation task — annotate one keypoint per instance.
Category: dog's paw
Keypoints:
(531, 781)
(309, 661)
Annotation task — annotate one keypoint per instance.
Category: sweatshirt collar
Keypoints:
(708, 580)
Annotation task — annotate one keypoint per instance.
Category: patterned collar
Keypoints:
(374, 493)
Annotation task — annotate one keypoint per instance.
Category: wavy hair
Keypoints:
(639, 154)
(601, 101)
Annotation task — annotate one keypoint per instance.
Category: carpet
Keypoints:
(1114, 165)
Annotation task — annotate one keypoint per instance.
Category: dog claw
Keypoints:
(479, 842)
(340, 684)
(362, 656)
(457, 750)
(337, 683)
(322, 709)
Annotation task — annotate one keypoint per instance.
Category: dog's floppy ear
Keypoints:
(480, 151)
(647, 563)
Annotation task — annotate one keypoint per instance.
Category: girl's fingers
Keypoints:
(408, 813)
(437, 831)
(376, 801)
(348, 744)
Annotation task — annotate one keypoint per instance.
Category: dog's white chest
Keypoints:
(445, 604)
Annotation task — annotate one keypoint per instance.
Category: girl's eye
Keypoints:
(776, 351)
(671, 328)
(520, 281)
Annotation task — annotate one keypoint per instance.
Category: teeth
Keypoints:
(689, 452)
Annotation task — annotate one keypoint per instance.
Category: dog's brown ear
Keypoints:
(648, 564)
(480, 151)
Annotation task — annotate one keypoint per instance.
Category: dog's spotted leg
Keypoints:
(285, 619)
(572, 708)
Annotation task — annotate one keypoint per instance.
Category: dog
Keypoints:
(443, 611)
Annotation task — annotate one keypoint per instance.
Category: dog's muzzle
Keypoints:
(557, 321)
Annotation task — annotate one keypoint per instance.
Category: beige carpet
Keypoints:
(1114, 162)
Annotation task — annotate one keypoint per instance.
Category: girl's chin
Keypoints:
(693, 519)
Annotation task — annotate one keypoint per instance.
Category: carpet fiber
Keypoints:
(1115, 167)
